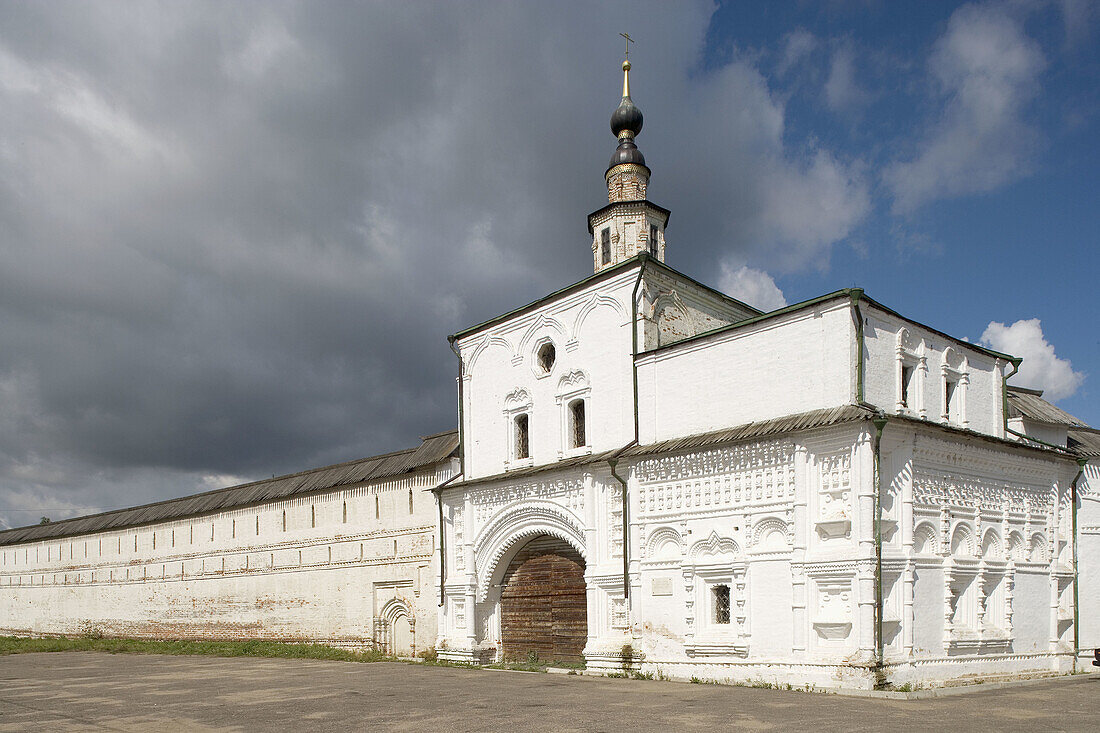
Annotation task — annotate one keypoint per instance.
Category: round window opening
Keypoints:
(546, 356)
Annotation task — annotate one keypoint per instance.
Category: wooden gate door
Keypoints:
(544, 607)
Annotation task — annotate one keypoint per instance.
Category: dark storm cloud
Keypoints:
(233, 238)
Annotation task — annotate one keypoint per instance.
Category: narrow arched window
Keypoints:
(410, 501)
(312, 515)
(284, 520)
(522, 436)
(345, 514)
(377, 508)
(577, 435)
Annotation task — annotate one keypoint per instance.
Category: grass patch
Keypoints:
(518, 666)
(254, 648)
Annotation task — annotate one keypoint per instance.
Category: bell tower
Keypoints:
(629, 224)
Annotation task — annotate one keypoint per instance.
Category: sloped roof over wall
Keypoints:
(433, 449)
(1029, 404)
(1085, 443)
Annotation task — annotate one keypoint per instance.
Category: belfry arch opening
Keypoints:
(543, 603)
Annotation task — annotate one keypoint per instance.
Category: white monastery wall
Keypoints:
(895, 347)
(795, 363)
(342, 566)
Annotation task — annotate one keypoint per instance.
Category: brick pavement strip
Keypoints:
(83, 691)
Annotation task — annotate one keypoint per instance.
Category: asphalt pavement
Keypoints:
(88, 691)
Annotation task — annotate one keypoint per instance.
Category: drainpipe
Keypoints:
(438, 491)
(855, 294)
(1004, 410)
(1081, 462)
(879, 421)
(614, 462)
(634, 336)
(1004, 389)
(461, 409)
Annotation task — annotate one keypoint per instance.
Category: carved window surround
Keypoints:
(916, 359)
(516, 403)
(715, 562)
(954, 406)
(574, 386)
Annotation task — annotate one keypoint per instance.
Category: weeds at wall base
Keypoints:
(253, 648)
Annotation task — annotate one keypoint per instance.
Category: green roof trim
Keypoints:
(848, 293)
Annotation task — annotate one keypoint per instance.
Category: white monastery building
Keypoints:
(647, 474)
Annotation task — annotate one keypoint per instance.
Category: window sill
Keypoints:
(717, 646)
(574, 452)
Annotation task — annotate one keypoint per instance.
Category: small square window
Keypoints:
(721, 595)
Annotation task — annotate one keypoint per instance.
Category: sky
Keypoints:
(234, 236)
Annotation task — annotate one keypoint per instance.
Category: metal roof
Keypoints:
(1029, 404)
(1085, 442)
(433, 449)
(759, 429)
(852, 294)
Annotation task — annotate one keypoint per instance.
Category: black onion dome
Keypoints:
(627, 152)
(626, 123)
(626, 116)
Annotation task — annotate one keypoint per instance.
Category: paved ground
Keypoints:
(77, 691)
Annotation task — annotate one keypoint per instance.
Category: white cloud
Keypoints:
(755, 287)
(796, 46)
(807, 207)
(987, 70)
(842, 93)
(1041, 368)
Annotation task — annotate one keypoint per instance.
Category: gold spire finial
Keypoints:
(626, 65)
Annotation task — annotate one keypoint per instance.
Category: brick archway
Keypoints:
(543, 603)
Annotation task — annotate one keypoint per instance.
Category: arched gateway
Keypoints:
(543, 603)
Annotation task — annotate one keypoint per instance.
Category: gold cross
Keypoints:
(629, 41)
